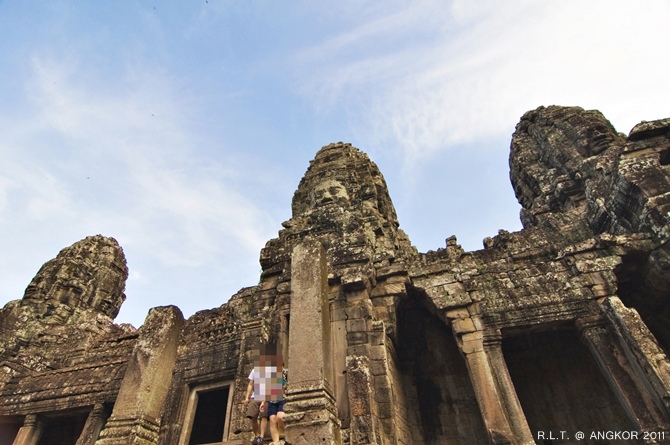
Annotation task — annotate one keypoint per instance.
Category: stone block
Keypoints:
(472, 342)
(382, 394)
(389, 289)
(377, 337)
(457, 313)
(378, 367)
(377, 352)
(463, 325)
(357, 325)
(357, 338)
(384, 411)
(359, 350)
(338, 314)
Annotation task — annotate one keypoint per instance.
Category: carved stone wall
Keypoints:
(562, 326)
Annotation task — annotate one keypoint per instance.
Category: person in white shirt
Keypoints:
(256, 393)
(274, 404)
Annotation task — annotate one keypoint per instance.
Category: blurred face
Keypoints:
(269, 386)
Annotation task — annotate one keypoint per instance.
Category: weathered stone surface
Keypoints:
(562, 326)
(59, 346)
(146, 382)
(83, 286)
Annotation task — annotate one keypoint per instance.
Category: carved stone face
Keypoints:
(89, 274)
(106, 305)
(329, 191)
(33, 290)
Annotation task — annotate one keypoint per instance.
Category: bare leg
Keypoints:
(264, 424)
(254, 425)
(280, 423)
(274, 432)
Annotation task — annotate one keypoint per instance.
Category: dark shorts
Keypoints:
(275, 407)
(253, 410)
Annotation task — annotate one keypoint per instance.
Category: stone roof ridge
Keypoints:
(648, 129)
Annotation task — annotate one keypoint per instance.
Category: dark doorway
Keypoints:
(63, 430)
(437, 385)
(644, 287)
(560, 386)
(210, 416)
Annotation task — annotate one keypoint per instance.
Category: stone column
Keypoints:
(648, 360)
(94, 423)
(311, 416)
(30, 432)
(510, 401)
(498, 403)
(136, 415)
(633, 394)
(361, 407)
(486, 391)
(338, 331)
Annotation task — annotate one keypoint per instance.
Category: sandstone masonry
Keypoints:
(562, 326)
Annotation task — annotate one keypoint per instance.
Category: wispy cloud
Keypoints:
(117, 156)
(141, 135)
(490, 63)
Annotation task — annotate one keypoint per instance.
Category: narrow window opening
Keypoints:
(285, 338)
(665, 157)
(210, 416)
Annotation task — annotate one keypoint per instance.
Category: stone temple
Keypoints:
(560, 328)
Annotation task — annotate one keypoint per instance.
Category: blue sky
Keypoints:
(182, 129)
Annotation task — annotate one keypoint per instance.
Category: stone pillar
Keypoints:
(94, 423)
(483, 383)
(648, 360)
(510, 401)
(30, 432)
(631, 393)
(498, 403)
(360, 390)
(136, 415)
(311, 416)
(339, 349)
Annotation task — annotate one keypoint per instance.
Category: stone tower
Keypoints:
(559, 328)
(82, 286)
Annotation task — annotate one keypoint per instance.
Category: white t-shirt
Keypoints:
(261, 376)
